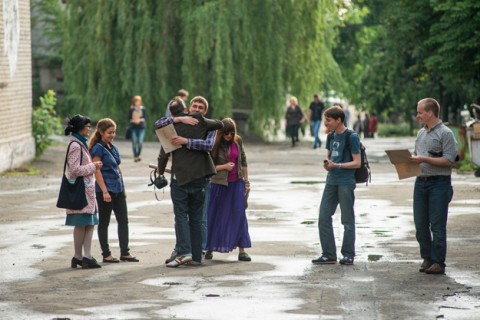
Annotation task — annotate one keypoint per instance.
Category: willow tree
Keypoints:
(242, 55)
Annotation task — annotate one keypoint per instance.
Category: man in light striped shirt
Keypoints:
(436, 152)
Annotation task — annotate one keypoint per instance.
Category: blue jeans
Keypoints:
(315, 128)
(205, 216)
(430, 211)
(138, 134)
(332, 196)
(188, 202)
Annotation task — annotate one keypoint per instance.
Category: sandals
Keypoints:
(129, 259)
(111, 260)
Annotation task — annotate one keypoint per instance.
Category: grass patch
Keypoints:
(31, 170)
(306, 182)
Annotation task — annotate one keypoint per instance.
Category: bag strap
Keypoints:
(66, 156)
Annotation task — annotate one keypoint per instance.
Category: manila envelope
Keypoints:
(405, 168)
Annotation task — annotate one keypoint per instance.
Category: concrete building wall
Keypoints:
(16, 141)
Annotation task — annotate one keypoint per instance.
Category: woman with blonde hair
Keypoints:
(137, 116)
(110, 190)
(227, 219)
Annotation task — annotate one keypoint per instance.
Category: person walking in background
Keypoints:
(183, 94)
(315, 112)
(435, 151)
(137, 117)
(358, 126)
(366, 123)
(346, 110)
(339, 188)
(227, 219)
(372, 125)
(80, 164)
(294, 117)
(110, 190)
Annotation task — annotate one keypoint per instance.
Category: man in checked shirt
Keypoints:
(436, 152)
(197, 105)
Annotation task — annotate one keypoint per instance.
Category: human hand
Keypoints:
(98, 164)
(107, 197)
(229, 166)
(417, 159)
(178, 141)
(328, 165)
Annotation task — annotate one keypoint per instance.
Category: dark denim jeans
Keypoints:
(430, 211)
(119, 207)
(333, 195)
(205, 216)
(188, 202)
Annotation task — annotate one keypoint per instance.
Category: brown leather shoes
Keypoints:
(425, 265)
(436, 269)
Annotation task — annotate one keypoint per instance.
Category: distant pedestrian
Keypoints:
(183, 94)
(110, 190)
(435, 151)
(137, 117)
(294, 117)
(339, 189)
(366, 123)
(315, 112)
(372, 125)
(358, 126)
(80, 164)
(227, 219)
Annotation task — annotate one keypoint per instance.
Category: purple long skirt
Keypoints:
(227, 220)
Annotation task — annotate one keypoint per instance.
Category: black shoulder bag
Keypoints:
(72, 195)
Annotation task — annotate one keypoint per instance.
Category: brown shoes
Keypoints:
(425, 265)
(435, 269)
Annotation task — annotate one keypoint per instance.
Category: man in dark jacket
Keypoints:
(190, 169)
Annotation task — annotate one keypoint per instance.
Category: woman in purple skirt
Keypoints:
(227, 220)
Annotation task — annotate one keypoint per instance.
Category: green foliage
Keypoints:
(45, 123)
(243, 56)
(393, 130)
(409, 49)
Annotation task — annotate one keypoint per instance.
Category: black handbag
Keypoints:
(72, 195)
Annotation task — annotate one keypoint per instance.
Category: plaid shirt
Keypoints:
(193, 144)
(439, 140)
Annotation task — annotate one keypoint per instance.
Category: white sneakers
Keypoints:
(178, 261)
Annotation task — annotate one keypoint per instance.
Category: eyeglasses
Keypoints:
(231, 133)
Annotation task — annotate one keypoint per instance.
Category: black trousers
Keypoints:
(119, 206)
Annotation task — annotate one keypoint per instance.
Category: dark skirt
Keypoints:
(81, 219)
(227, 220)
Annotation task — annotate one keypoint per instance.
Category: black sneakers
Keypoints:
(324, 260)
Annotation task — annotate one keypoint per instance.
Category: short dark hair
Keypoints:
(176, 106)
(430, 104)
(335, 112)
(76, 123)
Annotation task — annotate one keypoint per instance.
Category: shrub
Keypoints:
(45, 123)
(393, 130)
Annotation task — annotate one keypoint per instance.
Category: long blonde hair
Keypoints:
(102, 126)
